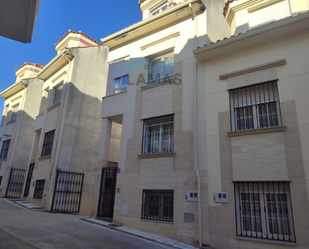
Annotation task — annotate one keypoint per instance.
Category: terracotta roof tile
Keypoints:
(31, 64)
(79, 32)
(140, 2)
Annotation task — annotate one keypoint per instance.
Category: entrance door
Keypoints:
(107, 192)
(28, 181)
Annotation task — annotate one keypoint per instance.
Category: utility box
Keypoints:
(191, 196)
(221, 197)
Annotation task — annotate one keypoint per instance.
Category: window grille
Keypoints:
(255, 107)
(5, 148)
(39, 189)
(264, 210)
(158, 205)
(0, 180)
(48, 143)
(158, 135)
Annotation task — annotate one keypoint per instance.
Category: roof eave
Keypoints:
(13, 89)
(264, 34)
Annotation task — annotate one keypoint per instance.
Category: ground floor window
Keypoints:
(264, 210)
(39, 189)
(158, 205)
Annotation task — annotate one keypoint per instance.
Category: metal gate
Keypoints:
(67, 192)
(107, 192)
(28, 180)
(16, 183)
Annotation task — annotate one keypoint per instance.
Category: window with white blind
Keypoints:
(14, 112)
(158, 135)
(120, 76)
(58, 93)
(273, 12)
(158, 9)
(160, 68)
(255, 107)
(264, 210)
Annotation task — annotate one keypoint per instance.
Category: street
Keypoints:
(26, 229)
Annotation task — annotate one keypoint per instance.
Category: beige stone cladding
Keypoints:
(75, 120)
(269, 155)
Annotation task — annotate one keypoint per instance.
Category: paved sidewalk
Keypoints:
(153, 237)
(27, 205)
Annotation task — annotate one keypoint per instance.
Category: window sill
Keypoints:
(116, 94)
(53, 106)
(44, 157)
(157, 155)
(160, 82)
(256, 131)
(261, 240)
(158, 221)
(42, 113)
(11, 121)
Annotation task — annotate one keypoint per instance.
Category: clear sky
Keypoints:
(95, 18)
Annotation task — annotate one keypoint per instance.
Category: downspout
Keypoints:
(60, 113)
(19, 121)
(199, 199)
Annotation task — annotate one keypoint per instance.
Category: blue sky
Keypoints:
(95, 18)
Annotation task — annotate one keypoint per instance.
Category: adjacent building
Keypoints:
(16, 131)
(63, 156)
(253, 128)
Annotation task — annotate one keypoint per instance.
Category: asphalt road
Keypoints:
(21, 228)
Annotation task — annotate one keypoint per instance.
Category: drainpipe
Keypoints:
(60, 113)
(199, 195)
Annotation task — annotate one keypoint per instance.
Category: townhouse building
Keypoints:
(63, 156)
(253, 127)
(16, 132)
(152, 183)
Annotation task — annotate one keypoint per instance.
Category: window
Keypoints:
(161, 67)
(58, 92)
(255, 107)
(0, 180)
(158, 135)
(120, 84)
(159, 9)
(48, 143)
(39, 189)
(5, 149)
(158, 205)
(14, 112)
(44, 101)
(264, 210)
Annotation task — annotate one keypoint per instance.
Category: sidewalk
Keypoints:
(27, 205)
(149, 236)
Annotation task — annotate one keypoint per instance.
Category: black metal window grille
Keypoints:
(0, 180)
(255, 106)
(48, 143)
(5, 148)
(158, 135)
(16, 183)
(39, 189)
(264, 210)
(67, 192)
(28, 180)
(158, 205)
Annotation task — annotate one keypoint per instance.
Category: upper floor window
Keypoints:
(264, 210)
(160, 67)
(120, 84)
(14, 112)
(255, 107)
(5, 112)
(159, 9)
(5, 148)
(44, 101)
(48, 143)
(269, 13)
(158, 135)
(120, 76)
(58, 93)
